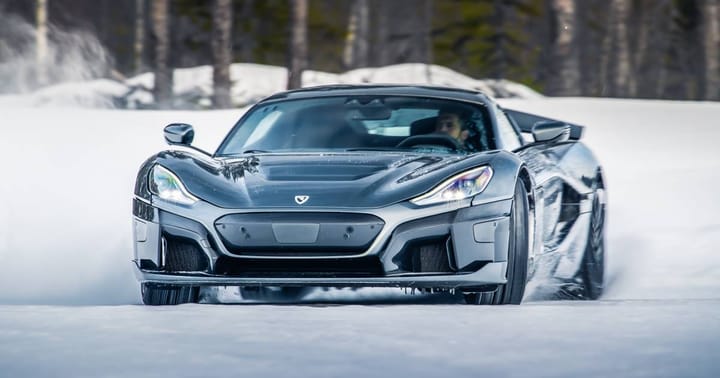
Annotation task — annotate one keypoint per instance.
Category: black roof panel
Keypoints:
(382, 89)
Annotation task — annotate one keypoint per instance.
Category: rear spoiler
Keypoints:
(526, 121)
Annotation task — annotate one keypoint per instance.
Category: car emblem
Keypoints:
(301, 199)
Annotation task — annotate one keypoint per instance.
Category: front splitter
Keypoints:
(490, 274)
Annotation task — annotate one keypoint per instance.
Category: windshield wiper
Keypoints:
(256, 152)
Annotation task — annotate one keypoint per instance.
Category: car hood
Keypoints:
(329, 180)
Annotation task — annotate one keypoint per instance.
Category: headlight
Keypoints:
(464, 185)
(167, 186)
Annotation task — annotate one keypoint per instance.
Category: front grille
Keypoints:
(298, 234)
(183, 255)
(351, 267)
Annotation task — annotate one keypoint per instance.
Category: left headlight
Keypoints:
(464, 185)
(167, 186)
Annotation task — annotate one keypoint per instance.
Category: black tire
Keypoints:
(592, 270)
(162, 294)
(517, 265)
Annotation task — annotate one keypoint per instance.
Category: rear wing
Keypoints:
(526, 121)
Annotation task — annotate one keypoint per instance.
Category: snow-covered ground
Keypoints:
(250, 82)
(67, 177)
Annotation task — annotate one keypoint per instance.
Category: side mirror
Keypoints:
(551, 131)
(179, 133)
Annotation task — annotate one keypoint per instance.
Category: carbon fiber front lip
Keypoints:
(490, 274)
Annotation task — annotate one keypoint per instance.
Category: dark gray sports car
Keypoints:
(434, 189)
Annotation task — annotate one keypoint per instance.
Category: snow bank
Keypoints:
(65, 229)
(251, 82)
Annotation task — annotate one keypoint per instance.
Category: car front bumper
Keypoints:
(473, 236)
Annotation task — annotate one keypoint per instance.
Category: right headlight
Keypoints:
(167, 186)
(458, 187)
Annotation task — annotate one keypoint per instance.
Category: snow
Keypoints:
(68, 306)
(251, 82)
(605, 339)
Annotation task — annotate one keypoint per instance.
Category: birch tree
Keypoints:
(138, 45)
(565, 75)
(298, 43)
(357, 40)
(622, 81)
(711, 39)
(163, 72)
(41, 41)
(222, 52)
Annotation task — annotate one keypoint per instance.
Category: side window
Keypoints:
(506, 132)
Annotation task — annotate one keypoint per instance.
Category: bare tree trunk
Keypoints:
(222, 52)
(402, 36)
(565, 75)
(298, 43)
(246, 35)
(161, 34)
(382, 33)
(425, 33)
(623, 83)
(653, 26)
(41, 41)
(499, 59)
(643, 40)
(711, 38)
(138, 46)
(662, 41)
(357, 40)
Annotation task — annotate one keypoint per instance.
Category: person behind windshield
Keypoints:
(451, 124)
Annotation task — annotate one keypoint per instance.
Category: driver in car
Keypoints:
(450, 123)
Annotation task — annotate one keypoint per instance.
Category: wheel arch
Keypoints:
(526, 179)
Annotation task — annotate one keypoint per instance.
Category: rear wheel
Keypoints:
(517, 263)
(593, 264)
(162, 294)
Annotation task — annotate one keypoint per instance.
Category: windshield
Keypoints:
(362, 122)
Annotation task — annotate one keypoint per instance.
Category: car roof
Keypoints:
(382, 89)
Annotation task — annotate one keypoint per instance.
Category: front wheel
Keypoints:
(517, 262)
(162, 294)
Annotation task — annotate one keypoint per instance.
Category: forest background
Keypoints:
(659, 49)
